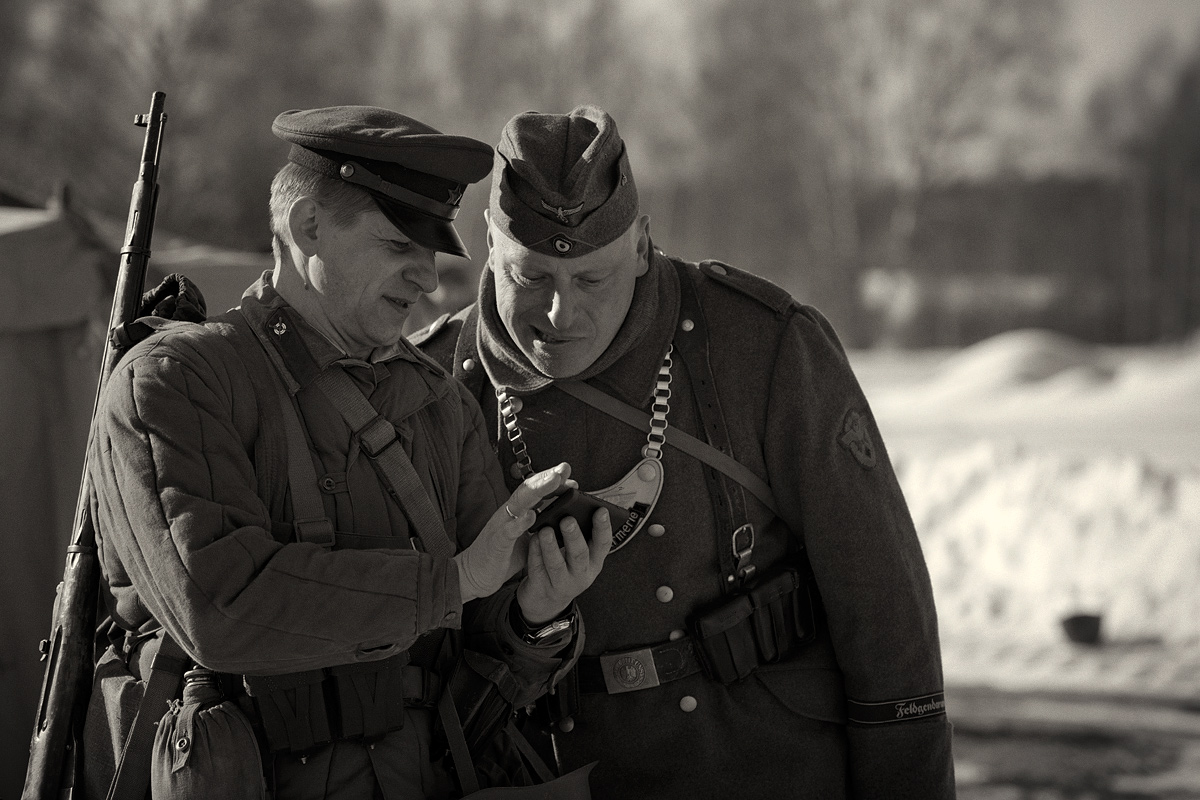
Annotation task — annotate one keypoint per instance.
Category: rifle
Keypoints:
(54, 748)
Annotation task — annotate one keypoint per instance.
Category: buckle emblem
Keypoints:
(629, 671)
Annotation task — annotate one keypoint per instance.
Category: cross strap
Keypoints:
(684, 442)
(308, 512)
(377, 437)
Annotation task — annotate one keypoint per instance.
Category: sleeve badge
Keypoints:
(856, 438)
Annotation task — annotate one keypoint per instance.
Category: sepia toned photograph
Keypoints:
(600, 398)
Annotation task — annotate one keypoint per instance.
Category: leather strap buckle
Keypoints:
(741, 554)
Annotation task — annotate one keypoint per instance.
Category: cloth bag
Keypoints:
(205, 747)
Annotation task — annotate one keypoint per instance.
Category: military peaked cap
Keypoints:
(416, 174)
(561, 183)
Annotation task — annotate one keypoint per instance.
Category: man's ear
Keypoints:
(643, 243)
(303, 225)
(490, 241)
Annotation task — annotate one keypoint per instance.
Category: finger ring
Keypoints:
(514, 516)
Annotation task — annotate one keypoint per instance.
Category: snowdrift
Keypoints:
(1048, 477)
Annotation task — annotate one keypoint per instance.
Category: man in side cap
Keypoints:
(299, 507)
(767, 629)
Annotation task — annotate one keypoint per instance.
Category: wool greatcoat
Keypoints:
(798, 419)
(193, 512)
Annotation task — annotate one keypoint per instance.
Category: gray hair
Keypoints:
(344, 201)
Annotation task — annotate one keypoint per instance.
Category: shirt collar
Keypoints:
(261, 301)
(300, 353)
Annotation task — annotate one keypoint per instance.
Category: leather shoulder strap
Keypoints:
(692, 343)
(684, 442)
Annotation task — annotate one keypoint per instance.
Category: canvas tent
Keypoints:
(57, 273)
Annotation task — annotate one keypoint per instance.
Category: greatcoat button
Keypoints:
(687, 325)
(648, 471)
(516, 404)
(677, 634)
(566, 725)
(688, 704)
(717, 268)
(656, 530)
(664, 594)
(469, 364)
(182, 744)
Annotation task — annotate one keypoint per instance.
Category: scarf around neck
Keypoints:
(655, 305)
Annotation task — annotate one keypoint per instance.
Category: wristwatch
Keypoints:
(537, 634)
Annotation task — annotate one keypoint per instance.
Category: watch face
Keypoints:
(558, 626)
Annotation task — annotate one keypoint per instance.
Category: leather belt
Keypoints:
(634, 670)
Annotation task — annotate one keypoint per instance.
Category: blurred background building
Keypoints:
(929, 173)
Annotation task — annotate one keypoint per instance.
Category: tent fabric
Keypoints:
(50, 270)
(53, 298)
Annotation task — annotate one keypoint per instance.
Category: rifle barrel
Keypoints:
(67, 682)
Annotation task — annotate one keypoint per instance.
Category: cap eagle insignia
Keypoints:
(562, 213)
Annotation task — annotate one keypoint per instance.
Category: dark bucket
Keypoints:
(1082, 628)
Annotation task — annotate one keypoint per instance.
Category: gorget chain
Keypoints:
(511, 406)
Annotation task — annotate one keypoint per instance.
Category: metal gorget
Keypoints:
(638, 491)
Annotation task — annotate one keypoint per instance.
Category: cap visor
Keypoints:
(436, 234)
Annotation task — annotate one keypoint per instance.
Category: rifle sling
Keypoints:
(685, 443)
(132, 777)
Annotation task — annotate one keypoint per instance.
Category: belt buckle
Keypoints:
(629, 671)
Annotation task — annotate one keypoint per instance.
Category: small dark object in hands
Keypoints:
(571, 502)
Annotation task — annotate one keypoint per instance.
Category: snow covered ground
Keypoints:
(1049, 477)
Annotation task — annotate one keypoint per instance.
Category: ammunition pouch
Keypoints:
(766, 622)
(301, 711)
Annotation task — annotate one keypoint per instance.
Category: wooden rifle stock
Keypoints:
(70, 653)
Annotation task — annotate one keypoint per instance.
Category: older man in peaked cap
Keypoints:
(764, 626)
(296, 503)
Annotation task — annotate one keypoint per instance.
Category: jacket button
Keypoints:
(664, 594)
(182, 744)
(677, 634)
(687, 325)
(469, 364)
(717, 268)
(566, 725)
(688, 704)
(648, 471)
(656, 530)
(451, 615)
(516, 404)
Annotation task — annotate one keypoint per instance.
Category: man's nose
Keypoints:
(562, 309)
(422, 271)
